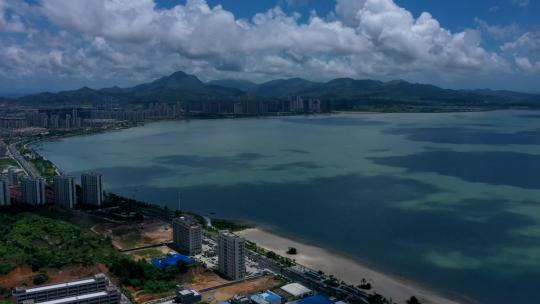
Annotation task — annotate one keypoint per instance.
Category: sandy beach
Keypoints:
(345, 268)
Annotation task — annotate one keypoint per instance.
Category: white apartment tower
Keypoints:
(5, 196)
(187, 235)
(92, 188)
(65, 194)
(33, 191)
(231, 255)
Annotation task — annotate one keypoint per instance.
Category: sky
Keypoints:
(52, 45)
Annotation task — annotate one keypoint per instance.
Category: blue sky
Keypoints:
(55, 45)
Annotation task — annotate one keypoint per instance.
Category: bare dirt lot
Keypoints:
(244, 288)
(136, 234)
(149, 253)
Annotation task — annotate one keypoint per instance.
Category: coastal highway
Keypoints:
(26, 166)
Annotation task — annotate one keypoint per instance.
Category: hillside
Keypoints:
(343, 93)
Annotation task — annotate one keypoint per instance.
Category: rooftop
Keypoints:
(295, 289)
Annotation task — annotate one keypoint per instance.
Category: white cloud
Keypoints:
(9, 23)
(526, 51)
(498, 31)
(134, 39)
(522, 3)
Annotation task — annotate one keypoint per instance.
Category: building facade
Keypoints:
(92, 188)
(5, 194)
(13, 176)
(33, 191)
(65, 193)
(231, 255)
(97, 289)
(187, 235)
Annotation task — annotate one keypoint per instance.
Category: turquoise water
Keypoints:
(451, 200)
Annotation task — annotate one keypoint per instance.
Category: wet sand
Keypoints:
(345, 268)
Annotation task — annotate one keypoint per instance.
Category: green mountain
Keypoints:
(243, 85)
(178, 86)
(343, 93)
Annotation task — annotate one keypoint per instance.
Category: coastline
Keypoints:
(346, 268)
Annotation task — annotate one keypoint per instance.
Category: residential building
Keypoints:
(65, 194)
(33, 191)
(95, 290)
(13, 176)
(231, 255)
(187, 235)
(5, 194)
(92, 188)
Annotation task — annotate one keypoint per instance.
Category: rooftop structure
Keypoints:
(297, 290)
(187, 296)
(267, 297)
(172, 261)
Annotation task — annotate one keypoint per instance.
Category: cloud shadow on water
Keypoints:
(467, 136)
(238, 161)
(492, 167)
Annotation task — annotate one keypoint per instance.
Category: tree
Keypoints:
(292, 250)
(413, 300)
(40, 278)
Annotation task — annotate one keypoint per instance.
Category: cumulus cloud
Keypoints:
(526, 51)
(135, 39)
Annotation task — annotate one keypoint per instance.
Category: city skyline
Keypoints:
(48, 45)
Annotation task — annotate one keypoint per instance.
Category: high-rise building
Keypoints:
(92, 188)
(33, 191)
(187, 235)
(65, 194)
(5, 195)
(13, 176)
(95, 290)
(231, 255)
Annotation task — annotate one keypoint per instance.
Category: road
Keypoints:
(26, 166)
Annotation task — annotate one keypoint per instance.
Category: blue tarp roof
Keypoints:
(317, 299)
(267, 296)
(171, 261)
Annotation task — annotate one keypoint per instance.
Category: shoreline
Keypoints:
(347, 268)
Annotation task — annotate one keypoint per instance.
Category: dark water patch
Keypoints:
(379, 150)
(495, 168)
(467, 136)
(294, 165)
(297, 151)
(238, 161)
(131, 175)
(336, 121)
(528, 116)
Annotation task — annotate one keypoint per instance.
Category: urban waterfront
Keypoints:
(450, 200)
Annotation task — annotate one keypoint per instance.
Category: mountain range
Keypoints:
(344, 93)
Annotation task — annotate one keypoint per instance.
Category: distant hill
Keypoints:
(243, 85)
(343, 93)
(178, 86)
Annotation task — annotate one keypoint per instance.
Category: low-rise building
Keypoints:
(187, 296)
(97, 289)
(296, 291)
